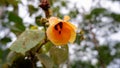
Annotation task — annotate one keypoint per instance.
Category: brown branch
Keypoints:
(45, 41)
(45, 5)
(95, 41)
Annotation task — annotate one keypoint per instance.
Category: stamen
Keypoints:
(60, 24)
(59, 32)
(56, 27)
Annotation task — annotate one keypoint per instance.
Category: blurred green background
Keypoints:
(98, 34)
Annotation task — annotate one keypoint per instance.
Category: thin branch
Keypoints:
(95, 41)
(45, 5)
(45, 41)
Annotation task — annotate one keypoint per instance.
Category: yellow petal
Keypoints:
(71, 25)
(53, 20)
(66, 18)
(73, 37)
(73, 33)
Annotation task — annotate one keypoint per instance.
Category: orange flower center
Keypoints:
(62, 32)
(58, 27)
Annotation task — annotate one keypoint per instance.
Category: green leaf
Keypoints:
(4, 54)
(104, 54)
(81, 64)
(97, 11)
(32, 9)
(46, 47)
(94, 13)
(63, 3)
(74, 13)
(79, 38)
(59, 54)
(45, 60)
(27, 40)
(17, 28)
(14, 18)
(37, 20)
(88, 16)
(18, 25)
(5, 40)
(117, 47)
(56, 9)
(52, 2)
(116, 17)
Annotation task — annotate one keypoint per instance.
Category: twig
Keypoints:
(45, 41)
(45, 5)
(95, 41)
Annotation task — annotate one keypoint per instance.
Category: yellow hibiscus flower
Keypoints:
(60, 32)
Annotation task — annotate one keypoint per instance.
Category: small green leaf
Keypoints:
(32, 9)
(45, 60)
(81, 64)
(46, 47)
(104, 54)
(94, 13)
(37, 20)
(3, 54)
(27, 40)
(79, 38)
(63, 3)
(88, 16)
(14, 18)
(5, 40)
(18, 25)
(74, 13)
(59, 54)
(56, 9)
(117, 47)
(116, 17)
(97, 11)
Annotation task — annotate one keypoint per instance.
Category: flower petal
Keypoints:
(66, 18)
(71, 25)
(73, 37)
(53, 20)
(73, 33)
